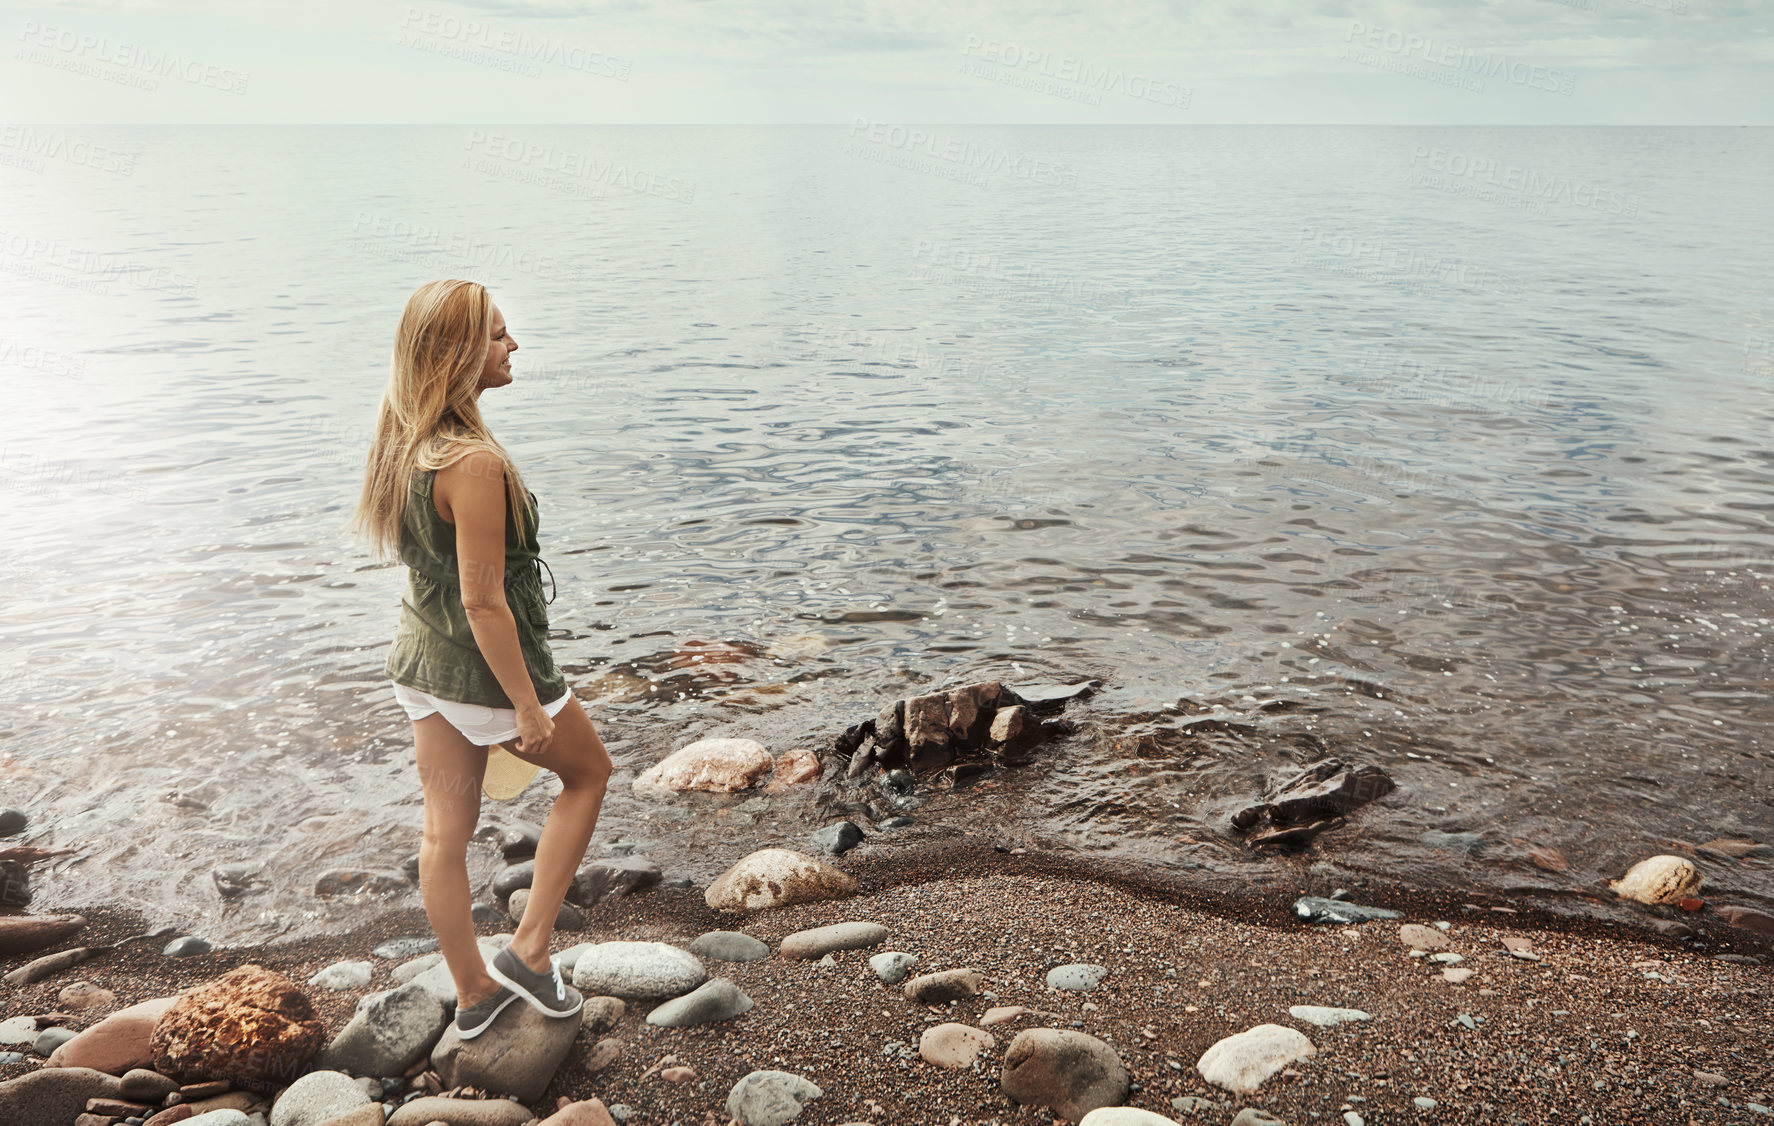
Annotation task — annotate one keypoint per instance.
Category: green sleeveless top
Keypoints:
(434, 649)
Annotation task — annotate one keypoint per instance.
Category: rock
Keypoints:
(1455, 976)
(116, 1044)
(407, 946)
(1748, 918)
(407, 971)
(464, 1112)
(1325, 1017)
(1242, 1062)
(1045, 697)
(943, 986)
(18, 1030)
(1659, 879)
(770, 1098)
(1011, 726)
(1419, 937)
(52, 1096)
(893, 966)
(146, 1086)
(637, 971)
(926, 721)
(716, 999)
(1316, 799)
(175, 1114)
(519, 841)
(1424, 1102)
(730, 946)
(342, 975)
(235, 880)
(600, 1014)
(837, 838)
(50, 1039)
(776, 877)
(792, 769)
(12, 822)
(517, 1054)
(896, 823)
(1467, 843)
(360, 881)
(512, 877)
(618, 875)
(369, 1115)
(82, 995)
(1125, 1116)
(387, 1035)
(252, 1026)
(317, 1097)
(1315, 909)
(1071, 1072)
(566, 917)
(1735, 848)
(721, 766)
(1192, 1104)
(566, 959)
(21, 934)
(820, 941)
(678, 1075)
(1077, 976)
(954, 1046)
(591, 1112)
(603, 1054)
(971, 711)
(1548, 859)
(188, 946)
(220, 1118)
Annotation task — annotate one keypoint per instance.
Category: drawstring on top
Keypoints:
(551, 588)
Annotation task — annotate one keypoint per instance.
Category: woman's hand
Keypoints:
(535, 730)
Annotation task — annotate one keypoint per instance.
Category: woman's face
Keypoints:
(497, 371)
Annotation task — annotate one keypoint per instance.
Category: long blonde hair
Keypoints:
(429, 416)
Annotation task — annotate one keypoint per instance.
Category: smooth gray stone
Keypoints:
(52, 1038)
(730, 946)
(715, 999)
(837, 838)
(637, 971)
(1317, 909)
(407, 946)
(819, 941)
(513, 876)
(893, 966)
(317, 1097)
(186, 947)
(389, 1034)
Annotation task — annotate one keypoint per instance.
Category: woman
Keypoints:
(470, 662)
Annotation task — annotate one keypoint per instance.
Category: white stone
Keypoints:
(407, 971)
(1242, 1062)
(1424, 1102)
(1660, 879)
(893, 966)
(770, 1098)
(776, 877)
(343, 975)
(219, 1118)
(1077, 976)
(1325, 1017)
(637, 971)
(719, 765)
(18, 1030)
(316, 1097)
(1125, 1116)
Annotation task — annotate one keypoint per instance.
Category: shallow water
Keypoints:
(1292, 429)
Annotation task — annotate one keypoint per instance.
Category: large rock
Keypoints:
(566, 917)
(943, 986)
(1125, 1116)
(517, 1054)
(1313, 801)
(954, 1046)
(117, 1043)
(618, 875)
(1242, 1062)
(714, 1000)
(144, 1086)
(730, 946)
(251, 1026)
(21, 934)
(820, 941)
(1071, 1072)
(770, 1098)
(317, 1098)
(463, 1112)
(637, 971)
(53, 1096)
(777, 877)
(722, 766)
(388, 1034)
(1659, 879)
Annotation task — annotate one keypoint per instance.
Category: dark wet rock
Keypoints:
(235, 880)
(897, 782)
(12, 822)
(21, 934)
(15, 884)
(514, 876)
(1315, 909)
(979, 724)
(356, 881)
(896, 823)
(617, 875)
(410, 868)
(1312, 802)
(146, 1086)
(837, 838)
(187, 947)
(519, 841)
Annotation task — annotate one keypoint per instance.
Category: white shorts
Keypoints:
(482, 725)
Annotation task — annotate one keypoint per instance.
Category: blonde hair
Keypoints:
(429, 417)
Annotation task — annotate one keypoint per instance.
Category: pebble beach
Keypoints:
(1452, 1011)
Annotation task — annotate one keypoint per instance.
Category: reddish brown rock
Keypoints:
(170, 1115)
(591, 1112)
(85, 995)
(208, 1089)
(603, 1054)
(116, 1044)
(927, 727)
(1748, 918)
(117, 1108)
(21, 934)
(251, 1026)
(797, 766)
(90, 1119)
(970, 712)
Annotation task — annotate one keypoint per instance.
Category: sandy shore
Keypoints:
(1622, 1028)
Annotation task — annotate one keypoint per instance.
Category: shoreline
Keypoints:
(1238, 961)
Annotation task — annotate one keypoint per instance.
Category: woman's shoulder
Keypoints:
(472, 459)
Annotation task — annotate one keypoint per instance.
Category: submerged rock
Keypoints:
(599, 880)
(718, 765)
(1316, 909)
(1312, 802)
(932, 731)
(1659, 879)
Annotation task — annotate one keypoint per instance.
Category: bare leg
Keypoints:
(450, 770)
(578, 758)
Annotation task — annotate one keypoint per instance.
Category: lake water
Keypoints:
(1442, 449)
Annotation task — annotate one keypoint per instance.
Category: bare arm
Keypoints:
(471, 492)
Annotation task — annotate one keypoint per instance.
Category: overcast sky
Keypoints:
(1700, 62)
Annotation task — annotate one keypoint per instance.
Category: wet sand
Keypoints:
(1622, 1027)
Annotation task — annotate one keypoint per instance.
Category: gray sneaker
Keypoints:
(545, 992)
(472, 1020)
